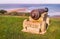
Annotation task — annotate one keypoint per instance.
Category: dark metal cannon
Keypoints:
(36, 13)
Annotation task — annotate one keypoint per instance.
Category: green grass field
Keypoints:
(10, 28)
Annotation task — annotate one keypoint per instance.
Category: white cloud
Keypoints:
(30, 1)
(54, 13)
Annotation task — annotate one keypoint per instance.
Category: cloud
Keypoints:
(54, 13)
(30, 1)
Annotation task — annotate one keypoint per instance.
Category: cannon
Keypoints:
(38, 21)
(36, 14)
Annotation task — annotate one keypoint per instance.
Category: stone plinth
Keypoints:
(34, 27)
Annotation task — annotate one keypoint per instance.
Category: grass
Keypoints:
(10, 28)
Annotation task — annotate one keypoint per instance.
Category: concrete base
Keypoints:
(33, 27)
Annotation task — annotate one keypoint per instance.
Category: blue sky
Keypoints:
(29, 1)
(54, 9)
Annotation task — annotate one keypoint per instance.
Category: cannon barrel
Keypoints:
(36, 13)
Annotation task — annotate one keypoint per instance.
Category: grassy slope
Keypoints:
(10, 28)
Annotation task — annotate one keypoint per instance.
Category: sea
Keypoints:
(54, 9)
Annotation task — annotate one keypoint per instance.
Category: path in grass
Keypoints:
(10, 28)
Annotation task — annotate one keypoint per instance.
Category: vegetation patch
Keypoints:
(10, 28)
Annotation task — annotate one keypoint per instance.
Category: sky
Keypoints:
(29, 1)
(32, 2)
